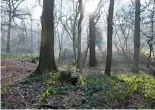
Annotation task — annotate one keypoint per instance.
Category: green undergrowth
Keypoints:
(24, 57)
(101, 91)
(37, 78)
(120, 90)
(53, 79)
(106, 92)
(54, 84)
(142, 83)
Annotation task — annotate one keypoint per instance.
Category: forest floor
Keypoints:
(13, 71)
(20, 91)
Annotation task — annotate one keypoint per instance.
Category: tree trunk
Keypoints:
(9, 30)
(74, 45)
(60, 48)
(46, 59)
(78, 63)
(59, 55)
(31, 36)
(85, 55)
(109, 38)
(60, 39)
(8, 37)
(150, 41)
(149, 57)
(135, 68)
(74, 37)
(92, 36)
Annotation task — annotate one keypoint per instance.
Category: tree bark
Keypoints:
(135, 67)
(31, 36)
(92, 43)
(109, 38)
(85, 55)
(74, 44)
(78, 63)
(46, 59)
(74, 37)
(60, 39)
(150, 41)
(9, 29)
(8, 37)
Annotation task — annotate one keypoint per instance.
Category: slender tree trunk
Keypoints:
(109, 38)
(78, 63)
(60, 46)
(116, 47)
(85, 55)
(92, 36)
(46, 59)
(149, 57)
(152, 28)
(74, 41)
(8, 37)
(59, 55)
(126, 56)
(74, 44)
(9, 30)
(31, 36)
(135, 67)
(74, 37)
(64, 54)
(86, 51)
(150, 42)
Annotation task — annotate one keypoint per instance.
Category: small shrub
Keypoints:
(53, 78)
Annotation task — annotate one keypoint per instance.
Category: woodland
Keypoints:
(77, 54)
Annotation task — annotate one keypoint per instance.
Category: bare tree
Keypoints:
(70, 26)
(135, 67)
(151, 37)
(109, 38)
(13, 11)
(123, 28)
(78, 60)
(92, 41)
(60, 41)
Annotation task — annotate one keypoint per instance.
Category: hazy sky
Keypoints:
(38, 10)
